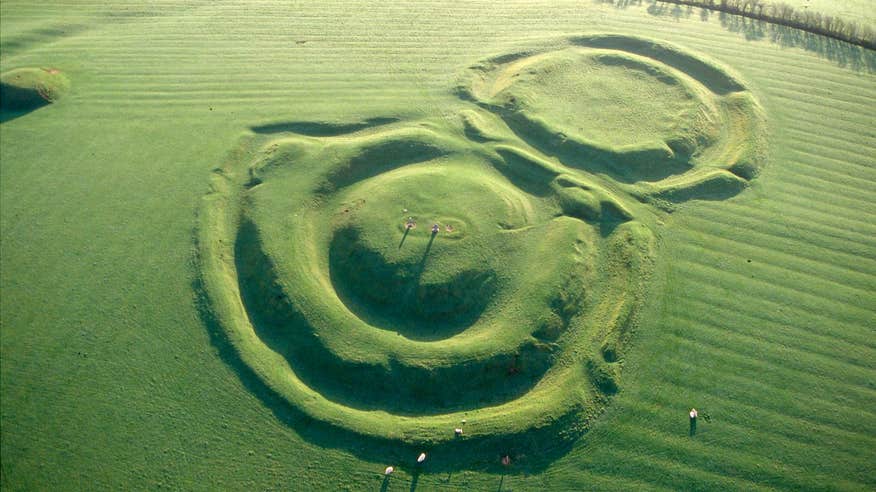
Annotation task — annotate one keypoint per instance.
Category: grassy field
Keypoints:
(188, 233)
(856, 10)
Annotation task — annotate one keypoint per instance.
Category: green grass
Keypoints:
(405, 334)
(854, 10)
(116, 374)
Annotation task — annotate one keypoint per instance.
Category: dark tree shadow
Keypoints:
(844, 54)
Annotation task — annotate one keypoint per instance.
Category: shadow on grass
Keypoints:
(9, 115)
(422, 266)
(404, 236)
(410, 390)
(391, 296)
(320, 129)
(415, 479)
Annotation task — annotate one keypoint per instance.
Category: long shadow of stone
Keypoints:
(404, 236)
(422, 266)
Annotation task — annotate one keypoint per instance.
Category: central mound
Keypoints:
(390, 265)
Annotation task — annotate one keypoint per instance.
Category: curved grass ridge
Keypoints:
(279, 334)
(717, 147)
(513, 318)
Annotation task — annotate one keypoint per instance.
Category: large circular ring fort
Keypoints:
(474, 280)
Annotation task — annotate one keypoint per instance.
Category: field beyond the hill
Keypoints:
(284, 245)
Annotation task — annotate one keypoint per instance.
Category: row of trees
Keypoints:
(787, 15)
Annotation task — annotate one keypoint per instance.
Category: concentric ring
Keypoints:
(398, 278)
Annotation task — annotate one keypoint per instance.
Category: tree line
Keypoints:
(786, 15)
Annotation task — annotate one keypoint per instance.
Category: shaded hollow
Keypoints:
(388, 294)
(395, 387)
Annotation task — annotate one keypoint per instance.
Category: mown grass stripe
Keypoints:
(761, 218)
(853, 158)
(772, 362)
(814, 203)
(697, 372)
(762, 329)
(784, 293)
(757, 418)
(819, 320)
(824, 208)
(855, 100)
(731, 424)
(866, 288)
(810, 175)
(789, 237)
(800, 257)
(805, 103)
(711, 461)
(817, 164)
(667, 470)
(803, 282)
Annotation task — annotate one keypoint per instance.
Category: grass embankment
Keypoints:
(399, 281)
(402, 334)
(698, 133)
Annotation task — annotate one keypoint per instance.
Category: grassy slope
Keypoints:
(109, 378)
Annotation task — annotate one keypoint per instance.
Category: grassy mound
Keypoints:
(402, 277)
(405, 279)
(25, 89)
(363, 322)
